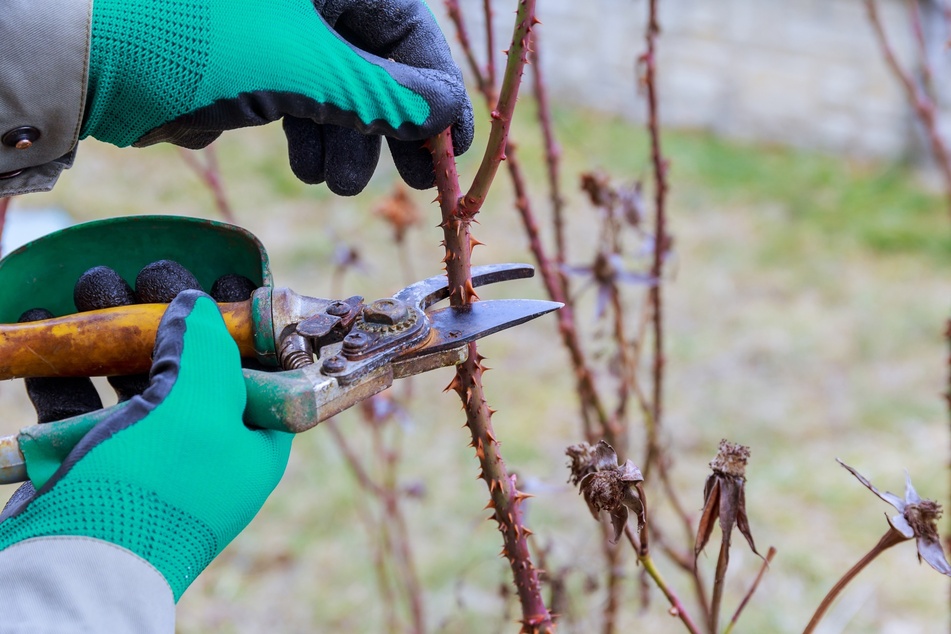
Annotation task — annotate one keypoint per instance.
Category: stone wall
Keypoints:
(806, 73)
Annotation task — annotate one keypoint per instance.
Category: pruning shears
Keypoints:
(321, 356)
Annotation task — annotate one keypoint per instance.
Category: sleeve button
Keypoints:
(21, 138)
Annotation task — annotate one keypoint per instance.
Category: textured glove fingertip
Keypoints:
(414, 162)
(463, 130)
(305, 149)
(351, 159)
(160, 282)
(232, 288)
(101, 287)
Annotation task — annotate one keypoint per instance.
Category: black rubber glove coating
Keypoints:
(101, 287)
(53, 399)
(57, 398)
(342, 157)
(160, 282)
(232, 288)
(406, 32)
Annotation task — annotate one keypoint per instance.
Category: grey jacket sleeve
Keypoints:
(60, 585)
(44, 55)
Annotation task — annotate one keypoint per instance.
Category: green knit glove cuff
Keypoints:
(153, 61)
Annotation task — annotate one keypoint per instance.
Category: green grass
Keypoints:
(882, 207)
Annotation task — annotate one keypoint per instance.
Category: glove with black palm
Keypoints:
(171, 477)
(340, 73)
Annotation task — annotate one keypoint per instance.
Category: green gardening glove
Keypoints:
(339, 72)
(174, 475)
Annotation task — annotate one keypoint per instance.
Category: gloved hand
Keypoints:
(174, 475)
(339, 72)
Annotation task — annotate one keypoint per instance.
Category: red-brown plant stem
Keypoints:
(626, 368)
(660, 238)
(210, 175)
(489, 43)
(615, 577)
(506, 499)
(591, 405)
(922, 103)
(4, 206)
(661, 245)
(914, 13)
(502, 113)
(688, 564)
(888, 540)
(478, 73)
(749, 593)
(589, 396)
(457, 215)
(592, 408)
(552, 154)
(654, 455)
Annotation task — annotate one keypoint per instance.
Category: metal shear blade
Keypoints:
(453, 327)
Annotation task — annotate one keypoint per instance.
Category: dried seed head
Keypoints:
(731, 459)
(604, 490)
(917, 519)
(606, 485)
(923, 517)
(724, 496)
(582, 458)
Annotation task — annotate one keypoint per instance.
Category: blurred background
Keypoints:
(806, 300)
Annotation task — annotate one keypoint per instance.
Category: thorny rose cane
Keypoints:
(457, 214)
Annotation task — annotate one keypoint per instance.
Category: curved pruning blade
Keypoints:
(434, 289)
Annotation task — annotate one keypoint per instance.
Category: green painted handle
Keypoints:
(285, 401)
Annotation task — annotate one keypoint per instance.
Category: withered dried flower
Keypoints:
(625, 201)
(400, 211)
(606, 273)
(607, 485)
(597, 186)
(631, 202)
(917, 519)
(724, 496)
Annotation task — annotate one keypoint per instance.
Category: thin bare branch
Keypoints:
(749, 593)
(506, 499)
(889, 539)
(552, 152)
(922, 104)
(504, 109)
(4, 206)
(210, 175)
(676, 606)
